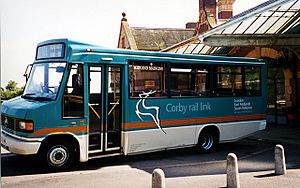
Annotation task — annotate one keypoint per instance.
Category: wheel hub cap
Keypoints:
(207, 141)
(58, 156)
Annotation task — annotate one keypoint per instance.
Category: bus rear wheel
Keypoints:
(207, 141)
(58, 155)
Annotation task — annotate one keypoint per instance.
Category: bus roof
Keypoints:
(74, 51)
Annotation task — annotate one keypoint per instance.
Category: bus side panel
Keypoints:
(155, 139)
(236, 130)
(158, 123)
(181, 136)
(140, 141)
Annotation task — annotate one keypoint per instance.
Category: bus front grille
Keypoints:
(7, 121)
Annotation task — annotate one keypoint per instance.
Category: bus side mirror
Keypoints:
(27, 72)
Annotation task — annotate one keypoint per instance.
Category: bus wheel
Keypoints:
(207, 141)
(58, 155)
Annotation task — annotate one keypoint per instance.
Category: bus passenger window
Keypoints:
(229, 81)
(146, 77)
(189, 80)
(252, 81)
(73, 105)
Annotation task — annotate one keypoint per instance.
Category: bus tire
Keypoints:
(58, 154)
(207, 141)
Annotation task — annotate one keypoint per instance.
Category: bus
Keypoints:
(83, 101)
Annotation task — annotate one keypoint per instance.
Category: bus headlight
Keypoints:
(26, 125)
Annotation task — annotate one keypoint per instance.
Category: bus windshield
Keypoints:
(44, 81)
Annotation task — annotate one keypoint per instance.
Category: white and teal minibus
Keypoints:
(83, 101)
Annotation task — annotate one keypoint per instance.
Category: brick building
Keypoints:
(269, 31)
(212, 13)
(151, 39)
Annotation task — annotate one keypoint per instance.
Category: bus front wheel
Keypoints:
(207, 141)
(58, 155)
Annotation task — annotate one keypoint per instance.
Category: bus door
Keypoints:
(104, 108)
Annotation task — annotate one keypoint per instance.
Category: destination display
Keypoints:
(50, 51)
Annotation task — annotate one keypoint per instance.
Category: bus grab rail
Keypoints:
(112, 109)
(78, 99)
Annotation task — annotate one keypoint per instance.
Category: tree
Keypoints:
(11, 90)
(11, 86)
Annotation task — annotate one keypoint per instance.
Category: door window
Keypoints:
(95, 107)
(73, 105)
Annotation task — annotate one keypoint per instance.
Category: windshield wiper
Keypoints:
(33, 97)
(42, 98)
(28, 95)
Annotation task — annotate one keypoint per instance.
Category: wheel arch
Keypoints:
(213, 128)
(66, 137)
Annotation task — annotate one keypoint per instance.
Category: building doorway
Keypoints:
(276, 100)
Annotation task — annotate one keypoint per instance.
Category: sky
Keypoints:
(24, 23)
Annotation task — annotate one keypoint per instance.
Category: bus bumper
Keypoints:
(18, 146)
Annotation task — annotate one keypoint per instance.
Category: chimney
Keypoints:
(225, 9)
(207, 15)
(209, 6)
(191, 25)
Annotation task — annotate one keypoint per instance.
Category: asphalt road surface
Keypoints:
(135, 171)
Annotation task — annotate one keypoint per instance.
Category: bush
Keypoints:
(11, 91)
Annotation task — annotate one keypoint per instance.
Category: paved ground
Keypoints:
(275, 134)
(136, 176)
(279, 134)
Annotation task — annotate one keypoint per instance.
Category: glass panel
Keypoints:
(287, 6)
(181, 85)
(278, 14)
(205, 50)
(201, 84)
(229, 81)
(51, 51)
(216, 49)
(276, 102)
(114, 107)
(181, 50)
(290, 14)
(145, 77)
(269, 13)
(190, 48)
(220, 32)
(114, 80)
(294, 25)
(44, 81)
(231, 29)
(198, 48)
(73, 96)
(267, 25)
(278, 25)
(189, 80)
(255, 26)
(252, 80)
(95, 107)
(230, 70)
(245, 25)
(296, 6)
(173, 51)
